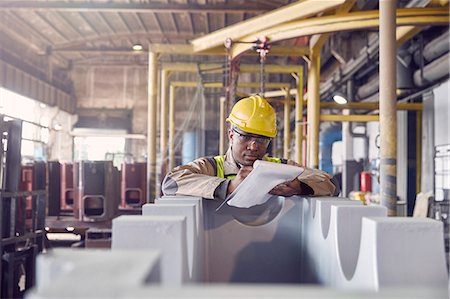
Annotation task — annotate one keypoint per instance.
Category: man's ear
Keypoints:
(230, 134)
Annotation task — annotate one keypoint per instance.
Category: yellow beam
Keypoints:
(296, 10)
(186, 49)
(350, 21)
(220, 84)
(214, 67)
(350, 117)
(369, 106)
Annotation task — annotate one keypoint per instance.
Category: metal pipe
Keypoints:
(299, 118)
(313, 109)
(287, 125)
(433, 71)
(151, 125)
(222, 126)
(388, 101)
(172, 90)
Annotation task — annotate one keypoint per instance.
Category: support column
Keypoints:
(164, 120)
(151, 125)
(287, 124)
(349, 168)
(388, 112)
(222, 127)
(313, 109)
(171, 127)
(299, 118)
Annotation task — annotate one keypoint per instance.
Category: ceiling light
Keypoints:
(137, 47)
(339, 98)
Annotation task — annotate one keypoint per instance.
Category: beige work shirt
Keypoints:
(199, 178)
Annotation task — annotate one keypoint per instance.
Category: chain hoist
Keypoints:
(262, 46)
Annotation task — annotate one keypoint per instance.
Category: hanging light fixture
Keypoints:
(137, 47)
(339, 98)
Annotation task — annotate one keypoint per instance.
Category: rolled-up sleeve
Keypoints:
(197, 178)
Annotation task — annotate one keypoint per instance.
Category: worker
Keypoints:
(252, 127)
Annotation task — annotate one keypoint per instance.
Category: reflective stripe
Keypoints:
(221, 172)
(219, 165)
(274, 160)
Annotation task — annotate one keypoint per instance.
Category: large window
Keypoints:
(97, 144)
(35, 126)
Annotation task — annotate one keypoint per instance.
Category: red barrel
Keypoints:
(366, 181)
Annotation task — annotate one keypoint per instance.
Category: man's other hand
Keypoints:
(287, 189)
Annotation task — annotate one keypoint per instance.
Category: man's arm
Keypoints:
(197, 178)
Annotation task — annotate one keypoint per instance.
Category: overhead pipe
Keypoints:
(433, 49)
(432, 72)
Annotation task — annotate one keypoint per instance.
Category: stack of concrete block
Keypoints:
(339, 244)
(358, 247)
(93, 273)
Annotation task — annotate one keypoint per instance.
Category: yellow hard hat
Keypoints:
(254, 115)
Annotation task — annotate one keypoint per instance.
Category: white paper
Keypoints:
(254, 189)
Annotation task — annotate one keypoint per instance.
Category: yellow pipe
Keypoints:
(344, 22)
(313, 110)
(220, 84)
(368, 106)
(299, 117)
(287, 125)
(172, 90)
(350, 117)
(418, 151)
(151, 123)
(164, 113)
(222, 126)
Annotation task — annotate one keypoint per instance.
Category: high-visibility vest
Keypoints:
(221, 173)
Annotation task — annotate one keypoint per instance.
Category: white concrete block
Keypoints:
(164, 233)
(317, 223)
(188, 210)
(81, 273)
(343, 241)
(400, 252)
(198, 201)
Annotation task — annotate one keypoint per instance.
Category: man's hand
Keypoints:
(287, 189)
(240, 176)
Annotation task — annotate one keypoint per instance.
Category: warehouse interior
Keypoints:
(99, 99)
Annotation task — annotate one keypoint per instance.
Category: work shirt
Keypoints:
(199, 178)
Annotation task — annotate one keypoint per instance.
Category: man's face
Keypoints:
(247, 148)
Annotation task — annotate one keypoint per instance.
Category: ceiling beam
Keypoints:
(132, 7)
(344, 22)
(294, 11)
(133, 35)
(189, 50)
